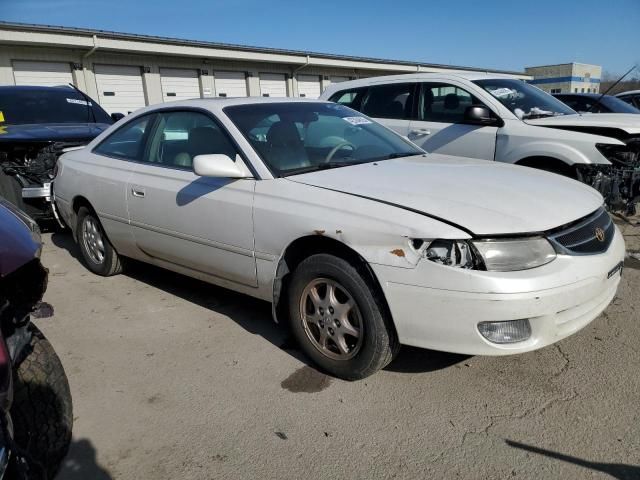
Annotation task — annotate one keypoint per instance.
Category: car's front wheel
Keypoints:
(338, 319)
(97, 252)
(42, 411)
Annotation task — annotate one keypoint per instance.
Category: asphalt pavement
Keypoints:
(176, 379)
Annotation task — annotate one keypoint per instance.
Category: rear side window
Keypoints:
(444, 103)
(389, 101)
(350, 98)
(127, 142)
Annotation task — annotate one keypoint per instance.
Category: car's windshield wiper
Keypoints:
(531, 115)
(330, 165)
(391, 156)
(315, 168)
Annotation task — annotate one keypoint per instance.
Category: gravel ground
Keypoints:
(176, 379)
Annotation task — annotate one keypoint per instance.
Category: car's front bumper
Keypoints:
(42, 191)
(439, 307)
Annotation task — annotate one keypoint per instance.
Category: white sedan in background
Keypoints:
(358, 238)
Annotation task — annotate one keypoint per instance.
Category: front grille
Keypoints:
(582, 239)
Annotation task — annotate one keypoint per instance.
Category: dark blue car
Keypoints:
(36, 125)
(36, 410)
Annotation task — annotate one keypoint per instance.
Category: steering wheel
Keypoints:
(338, 147)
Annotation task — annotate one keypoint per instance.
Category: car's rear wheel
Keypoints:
(97, 252)
(338, 319)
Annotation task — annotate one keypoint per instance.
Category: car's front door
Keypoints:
(201, 223)
(440, 126)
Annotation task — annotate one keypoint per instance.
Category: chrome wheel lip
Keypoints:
(331, 339)
(93, 240)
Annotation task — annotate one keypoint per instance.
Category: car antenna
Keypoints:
(86, 99)
(610, 88)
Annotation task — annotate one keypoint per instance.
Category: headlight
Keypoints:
(493, 255)
(515, 254)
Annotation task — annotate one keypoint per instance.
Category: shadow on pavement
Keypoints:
(65, 241)
(81, 463)
(419, 360)
(619, 471)
(252, 314)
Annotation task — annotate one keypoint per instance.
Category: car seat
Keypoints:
(285, 148)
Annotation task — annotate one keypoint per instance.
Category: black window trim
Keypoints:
(152, 128)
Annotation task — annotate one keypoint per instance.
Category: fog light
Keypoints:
(511, 331)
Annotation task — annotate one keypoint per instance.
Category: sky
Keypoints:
(497, 34)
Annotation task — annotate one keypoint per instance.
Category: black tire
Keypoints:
(379, 343)
(42, 410)
(111, 263)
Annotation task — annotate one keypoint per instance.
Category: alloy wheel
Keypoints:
(331, 319)
(93, 240)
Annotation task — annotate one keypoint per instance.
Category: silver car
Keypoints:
(357, 237)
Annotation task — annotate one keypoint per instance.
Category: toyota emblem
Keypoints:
(600, 235)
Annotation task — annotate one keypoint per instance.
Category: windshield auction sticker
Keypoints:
(357, 120)
(504, 93)
(78, 102)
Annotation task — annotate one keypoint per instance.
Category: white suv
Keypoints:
(505, 119)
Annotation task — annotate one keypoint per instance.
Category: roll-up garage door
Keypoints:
(179, 84)
(48, 74)
(230, 84)
(309, 86)
(273, 85)
(119, 88)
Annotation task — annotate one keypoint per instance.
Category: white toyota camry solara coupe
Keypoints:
(358, 238)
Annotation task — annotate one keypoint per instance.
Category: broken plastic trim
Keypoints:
(452, 253)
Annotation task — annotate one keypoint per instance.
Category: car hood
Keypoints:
(51, 132)
(481, 197)
(627, 122)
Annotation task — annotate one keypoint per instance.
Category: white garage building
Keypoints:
(124, 72)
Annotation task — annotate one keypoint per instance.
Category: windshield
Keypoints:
(524, 100)
(618, 106)
(29, 106)
(300, 137)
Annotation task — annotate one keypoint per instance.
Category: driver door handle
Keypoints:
(420, 132)
(137, 192)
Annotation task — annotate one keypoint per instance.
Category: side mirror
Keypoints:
(217, 165)
(117, 116)
(480, 115)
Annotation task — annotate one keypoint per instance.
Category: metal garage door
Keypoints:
(179, 84)
(119, 88)
(273, 85)
(230, 84)
(309, 86)
(42, 73)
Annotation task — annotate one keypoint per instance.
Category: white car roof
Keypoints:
(216, 104)
(469, 76)
(630, 92)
